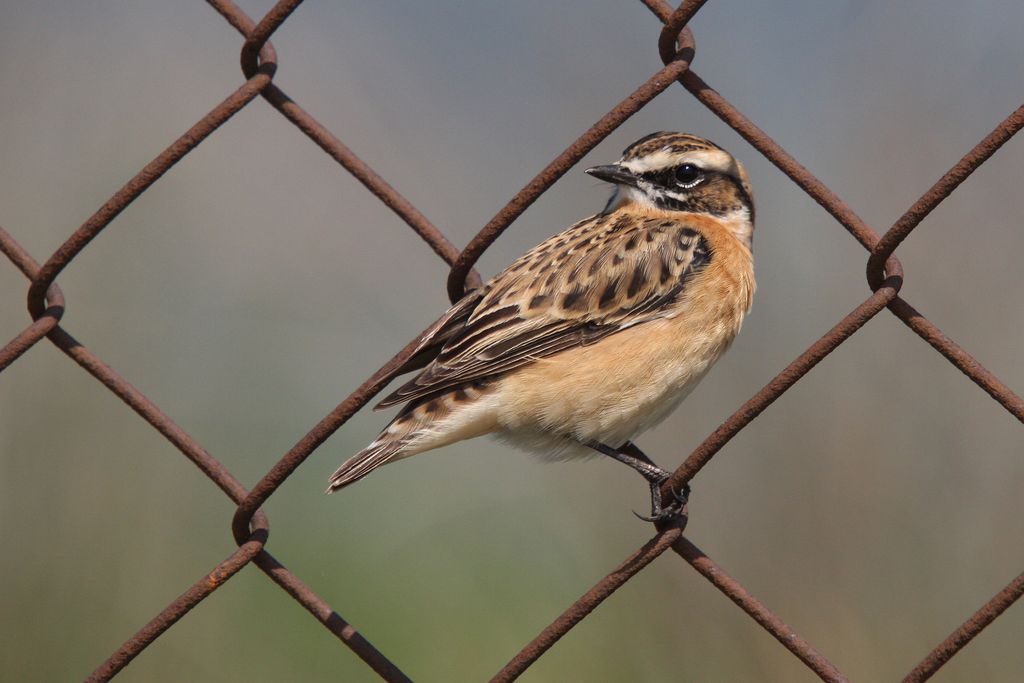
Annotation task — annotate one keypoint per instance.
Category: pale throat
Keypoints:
(625, 195)
(739, 224)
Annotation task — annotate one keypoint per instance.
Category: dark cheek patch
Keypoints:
(718, 195)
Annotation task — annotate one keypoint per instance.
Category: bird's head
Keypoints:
(681, 172)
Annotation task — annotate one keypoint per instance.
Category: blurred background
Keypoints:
(874, 507)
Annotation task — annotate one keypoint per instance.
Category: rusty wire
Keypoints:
(250, 526)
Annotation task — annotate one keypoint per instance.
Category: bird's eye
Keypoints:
(688, 175)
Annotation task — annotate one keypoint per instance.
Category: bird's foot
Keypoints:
(660, 512)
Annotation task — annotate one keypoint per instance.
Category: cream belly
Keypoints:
(611, 391)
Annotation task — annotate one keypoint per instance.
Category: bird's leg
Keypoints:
(631, 448)
(634, 458)
(680, 496)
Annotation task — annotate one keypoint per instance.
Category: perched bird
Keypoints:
(598, 333)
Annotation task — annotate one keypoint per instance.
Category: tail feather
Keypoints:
(422, 425)
(380, 452)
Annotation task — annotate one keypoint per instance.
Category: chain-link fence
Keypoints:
(250, 525)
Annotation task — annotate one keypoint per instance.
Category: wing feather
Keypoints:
(446, 327)
(600, 276)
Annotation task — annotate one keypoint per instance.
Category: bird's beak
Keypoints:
(613, 173)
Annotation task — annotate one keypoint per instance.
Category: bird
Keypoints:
(599, 332)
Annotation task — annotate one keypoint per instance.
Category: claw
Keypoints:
(659, 512)
(646, 518)
(662, 515)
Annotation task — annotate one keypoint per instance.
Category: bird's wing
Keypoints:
(446, 327)
(602, 275)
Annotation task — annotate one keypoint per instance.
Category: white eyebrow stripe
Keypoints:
(709, 159)
(656, 160)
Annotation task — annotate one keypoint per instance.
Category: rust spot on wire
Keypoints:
(249, 524)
